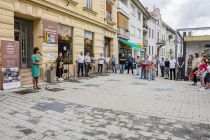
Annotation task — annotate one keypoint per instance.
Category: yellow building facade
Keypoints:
(67, 26)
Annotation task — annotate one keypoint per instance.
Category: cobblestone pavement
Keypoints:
(115, 107)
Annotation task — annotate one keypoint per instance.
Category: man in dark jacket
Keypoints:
(130, 61)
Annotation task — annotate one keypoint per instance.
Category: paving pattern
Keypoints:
(115, 107)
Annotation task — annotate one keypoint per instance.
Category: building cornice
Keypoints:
(59, 9)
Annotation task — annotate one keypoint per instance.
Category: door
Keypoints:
(24, 34)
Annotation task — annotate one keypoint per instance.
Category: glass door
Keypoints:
(24, 34)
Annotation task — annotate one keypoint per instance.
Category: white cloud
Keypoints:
(182, 13)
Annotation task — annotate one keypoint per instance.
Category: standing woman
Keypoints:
(35, 69)
(189, 67)
(59, 70)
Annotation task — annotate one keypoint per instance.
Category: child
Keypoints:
(202, 72)
(143, 70)
(208, 76)
(154, 72)
(151, 69)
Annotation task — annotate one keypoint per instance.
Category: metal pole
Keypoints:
(176, 44)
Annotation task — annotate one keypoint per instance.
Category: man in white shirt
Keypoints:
(100, 63)
(80, 62)
(107, 60)
(172, 68)
(87, 64)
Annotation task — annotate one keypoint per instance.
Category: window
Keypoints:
(139, 33)
(108, 10)
(88, 4)
(132, 9)
(149, 50)
(152, 33)
(139, 15)
(152, 50)
(133, 30)
(149, 32)
(88, 42)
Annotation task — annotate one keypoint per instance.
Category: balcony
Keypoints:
(124, 33)
(123, 9)
(145, 28)
(145, 42)
(161, 42)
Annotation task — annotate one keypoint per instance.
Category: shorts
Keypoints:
(203, 74)
(208, 77)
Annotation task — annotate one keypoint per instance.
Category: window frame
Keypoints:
(133, 9)
(88, 4)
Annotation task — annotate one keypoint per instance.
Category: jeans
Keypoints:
(87, 69)
(100, 68)
(138, 69)
(143, 72)
(130, 66)
(122, 68)
(194, 76)
(114, 69)
(80, 67)
(150, 75)
(174, 73)
(162, 68)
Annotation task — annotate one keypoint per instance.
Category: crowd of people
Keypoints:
(170, 68)
(198, 68)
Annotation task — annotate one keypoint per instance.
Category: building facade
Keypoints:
(130, 26)
(66, 26)
(161, 36)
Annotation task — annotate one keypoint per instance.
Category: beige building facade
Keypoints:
(67, 26)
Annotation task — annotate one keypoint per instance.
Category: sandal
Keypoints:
(38, 88)
(35, 88)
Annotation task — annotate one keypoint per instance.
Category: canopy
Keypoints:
(134, 46)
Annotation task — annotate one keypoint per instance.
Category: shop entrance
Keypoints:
(24, 34)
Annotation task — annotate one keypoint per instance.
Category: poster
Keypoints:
(50, 32)
(11, 78)
(10, 64)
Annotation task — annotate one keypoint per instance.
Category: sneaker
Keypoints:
(202, 89)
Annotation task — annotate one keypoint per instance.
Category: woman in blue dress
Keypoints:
(35, 69)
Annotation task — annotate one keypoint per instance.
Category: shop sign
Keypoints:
(10, 64)
(50, 30)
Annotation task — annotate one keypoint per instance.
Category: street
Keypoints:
(114, 107)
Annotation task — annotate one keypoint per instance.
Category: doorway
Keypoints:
(23, 33)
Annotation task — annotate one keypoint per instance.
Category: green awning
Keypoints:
(134, 46)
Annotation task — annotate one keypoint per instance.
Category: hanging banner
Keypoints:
(10, 64)
(50, 32)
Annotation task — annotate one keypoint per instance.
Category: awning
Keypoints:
(134, 46)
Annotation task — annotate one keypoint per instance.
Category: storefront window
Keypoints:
(65, 43)
(88, 41)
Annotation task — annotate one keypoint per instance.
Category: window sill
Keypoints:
(110, 21)
(71, 2)
(90, 11)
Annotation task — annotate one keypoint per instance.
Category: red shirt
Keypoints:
(203, 67)
(143, 66)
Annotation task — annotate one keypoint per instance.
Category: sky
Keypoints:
(182, 13)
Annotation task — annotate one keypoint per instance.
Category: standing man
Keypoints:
(162, 66)
(130, 63)
(107, 61)
(114, 68)
(87, 64)
(138, 65)
(80, 62)
(181, 62)
(172, 68)
(100, 63)
(93, 64)
(157, 61)
(122, 63)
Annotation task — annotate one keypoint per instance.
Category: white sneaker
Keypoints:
(201, 89)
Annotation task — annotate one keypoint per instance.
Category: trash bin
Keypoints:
(50, 75)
